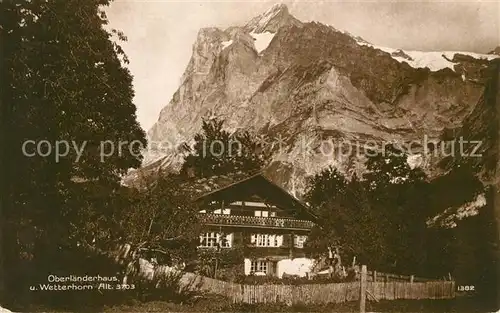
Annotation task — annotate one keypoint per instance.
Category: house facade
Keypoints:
(255, 214)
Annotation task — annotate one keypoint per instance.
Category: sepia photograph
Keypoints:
(249, 156)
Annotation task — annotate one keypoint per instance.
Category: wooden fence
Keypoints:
(323, 293)
(374, 276)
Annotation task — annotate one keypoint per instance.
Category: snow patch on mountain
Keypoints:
(262, 40)
(434, 60)
(226, 44)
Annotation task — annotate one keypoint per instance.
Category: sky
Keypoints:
(161, 32)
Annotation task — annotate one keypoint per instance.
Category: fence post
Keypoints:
(242, 294)
(362, 290)
(374, 276)
(411, 278)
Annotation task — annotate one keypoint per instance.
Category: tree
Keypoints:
(458, 186)
(326, 186)
(217, 152)
(468, 249)
(381, 219)
(65, 82)
(388, 169)
(400, 196)
(347, 220)
(162, 219)
(325, 193)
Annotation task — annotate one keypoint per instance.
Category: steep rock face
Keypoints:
(479, 132)
(307, 88)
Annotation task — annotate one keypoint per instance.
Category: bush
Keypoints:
(170, 286)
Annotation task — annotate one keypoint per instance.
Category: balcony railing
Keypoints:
(254, 221)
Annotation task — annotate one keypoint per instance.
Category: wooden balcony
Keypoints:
(255, 221)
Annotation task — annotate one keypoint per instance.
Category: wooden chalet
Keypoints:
(255, 213)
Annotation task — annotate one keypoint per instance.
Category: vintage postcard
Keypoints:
(249, 156)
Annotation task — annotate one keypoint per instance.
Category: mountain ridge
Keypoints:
(277, 76)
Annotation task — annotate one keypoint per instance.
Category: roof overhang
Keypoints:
(260, 185)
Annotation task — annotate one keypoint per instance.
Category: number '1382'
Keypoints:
(465, 288)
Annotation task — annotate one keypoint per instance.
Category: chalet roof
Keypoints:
(234, 186)
(203, 186)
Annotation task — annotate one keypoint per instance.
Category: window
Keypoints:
(298, 241)
(267, 240)
(226, 241)
(258, 266)
(209, 240)
(225, 211)
(264, 213)
(213, 239)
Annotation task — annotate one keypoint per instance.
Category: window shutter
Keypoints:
(230, 239)
(237, 239)
(247, 265)
(270, 268)
(287, 240)
(279, 239)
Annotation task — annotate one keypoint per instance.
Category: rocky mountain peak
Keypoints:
(276, 9)
(297, 83)
(271, 20)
